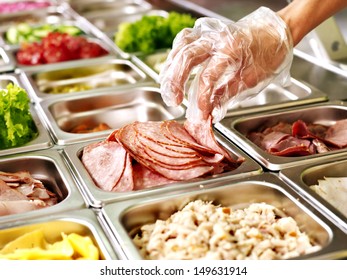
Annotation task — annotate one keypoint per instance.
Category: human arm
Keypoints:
(302, 16)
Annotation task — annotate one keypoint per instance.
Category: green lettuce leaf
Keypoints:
(17, 126)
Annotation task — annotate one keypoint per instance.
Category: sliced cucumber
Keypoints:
(12, 35)
(71, 30)
(40, 33)
(24, 28)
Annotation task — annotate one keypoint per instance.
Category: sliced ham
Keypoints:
(203, 134)
(128, 138)
(159, 153)
(145, 178)
(105, 162)
(165, 149)
(126, 181)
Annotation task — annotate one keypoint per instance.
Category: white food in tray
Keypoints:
(334, 191)
(202, 230)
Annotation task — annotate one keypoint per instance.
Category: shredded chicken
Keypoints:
(202, 230)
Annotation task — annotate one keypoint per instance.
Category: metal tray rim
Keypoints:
(271, 162)
(97, 197)
(74, 200)
(291, 176)
(111, 215)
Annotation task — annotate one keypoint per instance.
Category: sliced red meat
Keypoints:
(303, 139)
(126, 181)
(128, 137)
(203, 134)
(20, 206)
(163, 149)
(105, 162)
(279, 127)
(337, 133)
(300, 129)
(272, 139)
(7, 193)
(145, 178)
(157, 153)
(176, 132)
(292, 145)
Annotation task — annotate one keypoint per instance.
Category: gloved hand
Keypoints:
(234, 60)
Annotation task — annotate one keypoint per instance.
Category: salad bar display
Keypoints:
(94, 165)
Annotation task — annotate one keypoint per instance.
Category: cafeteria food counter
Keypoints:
(80, 102)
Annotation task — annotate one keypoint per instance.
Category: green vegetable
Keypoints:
(16, 124)
(23, 32)
(151, 32)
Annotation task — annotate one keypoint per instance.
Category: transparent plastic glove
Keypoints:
(233, 61)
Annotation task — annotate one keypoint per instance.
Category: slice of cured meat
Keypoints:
(203, 134)
(147, 154)
(145, 178)
(20, 192)
(303, 139)
(128, 137)
(126, 181)
(105, 162)
(337, 133)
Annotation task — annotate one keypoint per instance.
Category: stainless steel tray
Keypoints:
(97, 197)
(99, 73)
(236, 129)
(126, 217)
(108, 23)
(97, 8)
(277, 97)
(42, 141)
(7, 62)
(10, 78)
(34, 16)
(55, 15)
(49, 167)
(304, 176)
(115, 107)
(83, 222)
(71, 63)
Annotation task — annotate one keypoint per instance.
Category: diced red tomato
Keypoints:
(57, 47)
(91, 50)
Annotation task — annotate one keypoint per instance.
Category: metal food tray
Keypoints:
(83, 222)
(115, 107)
(276, 97)
(70, 63)
(99, 73)
(42, 141)
(10, 78)
(54, 14)
(107, 23)
(95, 8)
(304, 176)
(326, 113)
(49, 167)
(33, 16)
(97, 197)
(125, 218)
(7, 62)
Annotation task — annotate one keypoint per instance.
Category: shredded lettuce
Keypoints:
(17, 126)
(151, 32)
